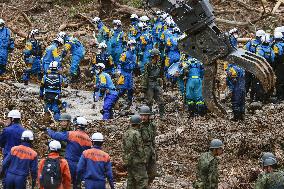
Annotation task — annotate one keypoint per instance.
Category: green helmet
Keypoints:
(216, 143)
(65, 117)
(145, 110)
(267, 155)
(155, 52)
(269, 162)
(135, 119)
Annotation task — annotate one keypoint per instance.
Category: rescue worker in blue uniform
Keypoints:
(103, 35)
(234, 37)
(94, 166)
(6, 46)
(250, 78)
(126, 66)
(264, 50)
(133, 31)
(105, 86)
(236, 83)
(104, 57)
(20, 162)
(11, 134)
(51, 54)
(32, 57)
(145, 45)
(194, 73)
(171, 49)
(278, 49)
(117, 41)
(50, 90)
(77, 142)
(158, 25)
(77, 51)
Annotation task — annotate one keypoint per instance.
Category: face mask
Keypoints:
(236, 35)
(115, 27)
(132, 48)
(97, 71)
(99, 51)
(1, 27)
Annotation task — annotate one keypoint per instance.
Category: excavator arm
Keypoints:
(207, 43)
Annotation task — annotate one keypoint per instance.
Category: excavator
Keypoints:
(206, 42)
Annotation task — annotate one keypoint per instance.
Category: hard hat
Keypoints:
(278, 35)
(158, 13)
(265, 38)
(141, 25)
(164, 16)
(81, 121)
(145, 110)
(135, 119)
(155, 52)
(216, 143)
(96, 19)
(116, 22)
(102, 45)
(176, 29)
(171, 23)
(101, 65)
(266, 155)
(269, 162)
(34, 32)
(65, 117)
(54, 145)
(134, 16)
(59, 40)
(282, 29)
(2, 22)
(27, 135)
(144, 18)
(61, 35)
(53, 65)
(277, 29)
(232, 31)
(260, 33)
(131, 42)
(15, 114)
(97, 137)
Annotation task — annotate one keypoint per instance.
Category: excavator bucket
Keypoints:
(207, 43)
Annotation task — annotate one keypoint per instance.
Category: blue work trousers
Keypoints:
(92, 184)
(34, 70)
(116, 53)
(72, 167)
(238, 95)
(75, 62)
(194, 89)
(109, 102)
(13, 181)
(3, 61)
(126, 86)
(53, 106)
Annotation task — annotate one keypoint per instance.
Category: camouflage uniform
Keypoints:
(148, 133)
(207, 172)
(152, 84)
(270, 181)
(135, 159)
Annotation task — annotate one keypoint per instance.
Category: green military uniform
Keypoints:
(272, 180)
(152, 84)
(148, 133)
(207, 172)
(135, 159)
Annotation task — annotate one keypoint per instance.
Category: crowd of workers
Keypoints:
(149, 50)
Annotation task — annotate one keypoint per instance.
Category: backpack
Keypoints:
(51, 174)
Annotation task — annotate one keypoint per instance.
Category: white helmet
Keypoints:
(2, 22)
(131, 42)
(102, 45)
(265, 38)
(53, 65)
(232, 31)
(27, 135)
(59, 40)
(278, 35)
(81, 121)
(116, 22)
(34, 32)
(54, 145)
(164, 16)
(134, 16)
(61, 35)
(96, 19)
(101, 65)
(97, 137)
(260, 33)
(144, 19)
(158, 13)
(282, 29)
(15, 114)
(277, 29)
